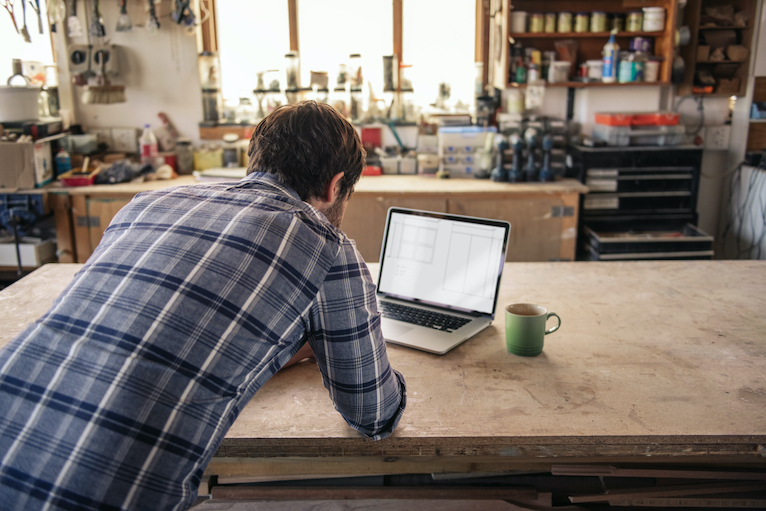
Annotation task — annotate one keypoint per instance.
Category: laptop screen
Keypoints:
(446, 260)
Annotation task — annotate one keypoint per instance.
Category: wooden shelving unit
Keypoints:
(737, 71)
(590, 44)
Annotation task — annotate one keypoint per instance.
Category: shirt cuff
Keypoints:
(391, 425)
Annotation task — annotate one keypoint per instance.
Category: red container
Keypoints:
(656, 119)
(638, 118)
(77, 178)
(613, 118)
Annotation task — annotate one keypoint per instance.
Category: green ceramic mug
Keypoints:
(525, 328)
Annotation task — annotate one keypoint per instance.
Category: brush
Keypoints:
(105, 94)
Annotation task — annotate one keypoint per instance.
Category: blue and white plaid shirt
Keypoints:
(119, 396)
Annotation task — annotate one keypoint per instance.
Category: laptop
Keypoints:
(439, 277)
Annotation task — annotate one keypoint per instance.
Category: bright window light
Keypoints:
(253, 36)
(331, 30)
(439, 42)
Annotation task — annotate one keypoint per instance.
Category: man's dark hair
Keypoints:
(305, 145)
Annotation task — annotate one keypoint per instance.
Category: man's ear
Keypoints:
(332, 190)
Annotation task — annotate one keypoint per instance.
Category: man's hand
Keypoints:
(302, 354)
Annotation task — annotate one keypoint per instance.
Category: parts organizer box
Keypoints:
(457, 148)
(639, 128)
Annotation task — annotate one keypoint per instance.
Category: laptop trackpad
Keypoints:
(395, 330)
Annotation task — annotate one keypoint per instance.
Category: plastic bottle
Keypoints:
(611, 51)
(148, 145)
(63, 162)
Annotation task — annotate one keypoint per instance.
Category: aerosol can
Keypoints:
(611, 52)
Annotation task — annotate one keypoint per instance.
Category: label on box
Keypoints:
(43, 163)
(601, 185)
(602, 173)
(601, 203)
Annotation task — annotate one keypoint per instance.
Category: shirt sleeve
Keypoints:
(350, 350)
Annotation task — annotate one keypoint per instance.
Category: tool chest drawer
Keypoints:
(641, 203)
(656, 242)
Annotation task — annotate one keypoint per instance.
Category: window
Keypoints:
(331, 30)
(438, 41)
(253, 36)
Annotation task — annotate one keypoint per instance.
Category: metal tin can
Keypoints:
(550, 22)
(565, 22)
(582, 22)
(536, 22)
(618, 22)
(635, 21)
(598, 21)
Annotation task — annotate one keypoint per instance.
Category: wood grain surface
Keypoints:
(654, 361)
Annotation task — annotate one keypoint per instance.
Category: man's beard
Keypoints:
(335, 212)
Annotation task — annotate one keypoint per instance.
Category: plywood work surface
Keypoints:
(665, 353)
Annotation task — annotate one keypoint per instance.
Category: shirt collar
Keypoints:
(270, 180)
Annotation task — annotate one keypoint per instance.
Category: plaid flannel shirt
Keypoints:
(120, 394)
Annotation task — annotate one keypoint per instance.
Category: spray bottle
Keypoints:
(611, 52)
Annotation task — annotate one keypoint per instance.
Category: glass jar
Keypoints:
(245, 112)
(230, 156)
(184, 156)
(356, 79)
(293, 70)
(209, 70)
(536, 23)
(212, 105)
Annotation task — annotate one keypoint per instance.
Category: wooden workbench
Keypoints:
(655, 362)
(543, 215)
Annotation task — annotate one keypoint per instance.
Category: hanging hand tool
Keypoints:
(124, 23)
(56, 13)
(36, 8)
(153, 25)
(8, 4)
(24, 31)
(96, 28)
(74, 29)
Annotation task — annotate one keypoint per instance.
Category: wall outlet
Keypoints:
(717, 137)
(125, 140)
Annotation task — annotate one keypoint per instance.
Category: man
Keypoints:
(119, 396)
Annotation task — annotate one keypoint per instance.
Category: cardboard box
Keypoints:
(26, 165)
(34, 252)
(18, 166)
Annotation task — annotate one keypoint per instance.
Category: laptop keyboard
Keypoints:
(426, 318)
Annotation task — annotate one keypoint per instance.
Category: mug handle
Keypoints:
(555, 327)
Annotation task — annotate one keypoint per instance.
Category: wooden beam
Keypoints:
(292, 14)
(398, 46)
(372, 492)
(669, 491)
(208, 27)
(609, 471)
